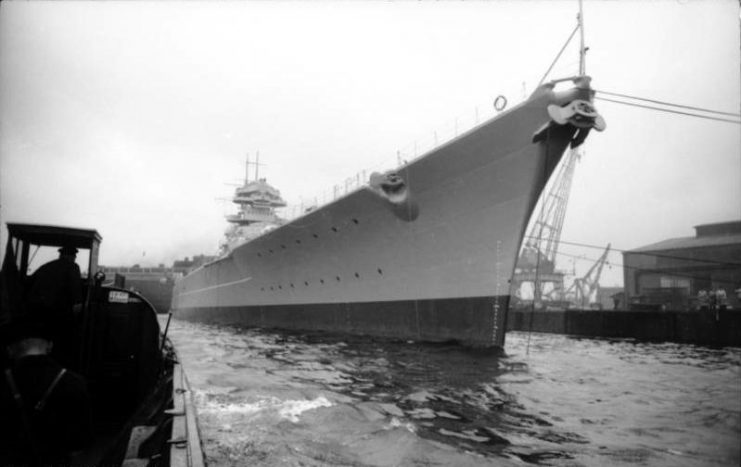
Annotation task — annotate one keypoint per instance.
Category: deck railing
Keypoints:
(404, 155)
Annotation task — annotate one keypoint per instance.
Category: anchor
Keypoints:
(579, 113)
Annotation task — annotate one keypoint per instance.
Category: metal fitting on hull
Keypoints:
(392, 188)
(572, 108)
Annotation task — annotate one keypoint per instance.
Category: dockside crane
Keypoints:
(537, 261)
(546, 231)
(584, 290)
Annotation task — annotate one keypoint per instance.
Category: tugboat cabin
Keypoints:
(31, 245)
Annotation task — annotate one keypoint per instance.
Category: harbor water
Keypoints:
(268, 398)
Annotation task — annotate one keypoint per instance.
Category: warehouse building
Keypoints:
(676, 273)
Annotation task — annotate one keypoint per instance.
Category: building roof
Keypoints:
(691, 242)
(718, 228)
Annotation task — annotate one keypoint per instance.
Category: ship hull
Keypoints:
(473, 321)
(434, 267)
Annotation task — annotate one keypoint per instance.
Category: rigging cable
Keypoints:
(658, 255)
(578, 26)
(639, 268)
(615, 94)
(660, 109)
(671, 111)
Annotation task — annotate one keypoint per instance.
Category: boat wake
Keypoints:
(214, 404)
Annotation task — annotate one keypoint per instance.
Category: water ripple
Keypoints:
(267, 398)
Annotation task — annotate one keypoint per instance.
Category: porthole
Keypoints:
(321, 280)
(315, 235)
(338, 278)
(298, 242)
(357, 275)
(306, 283)
(260, 255)
(280, 287)
(334, 229)
(292, 285)
(271, 251)
(283, 246)
(271, 288)
(380, 271)
(356, 221)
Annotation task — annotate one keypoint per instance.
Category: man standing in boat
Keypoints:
(55, 289)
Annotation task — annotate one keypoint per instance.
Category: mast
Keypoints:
(582, 49)
(257, 201)
(247, 170)
(257, 165)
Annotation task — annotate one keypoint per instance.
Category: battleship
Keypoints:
(423, 252)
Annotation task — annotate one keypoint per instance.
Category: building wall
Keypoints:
(158, 291)
(665, 277)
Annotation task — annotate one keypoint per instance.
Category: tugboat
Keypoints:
(141, 408)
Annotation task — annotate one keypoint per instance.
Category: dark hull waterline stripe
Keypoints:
(474, 321)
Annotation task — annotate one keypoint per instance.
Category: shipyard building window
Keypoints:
(670, 282)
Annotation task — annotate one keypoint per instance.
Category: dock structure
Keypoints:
(688, 273)
(719, 328)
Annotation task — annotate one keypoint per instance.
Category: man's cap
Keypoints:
(68, 250)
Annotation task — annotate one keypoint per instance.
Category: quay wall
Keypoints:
(159, 294)
(721, 328)
(156, 289)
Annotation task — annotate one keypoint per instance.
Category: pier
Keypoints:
(712, 328)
